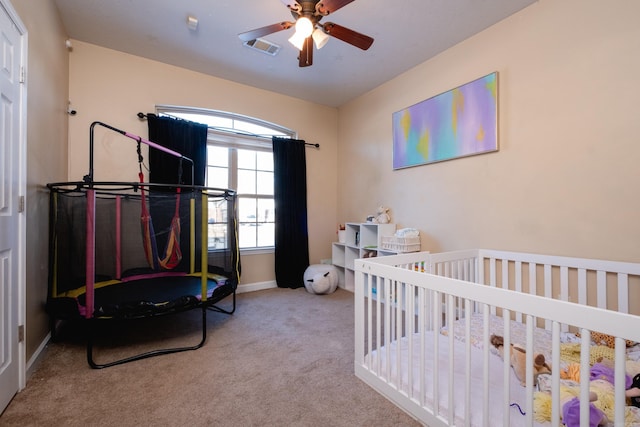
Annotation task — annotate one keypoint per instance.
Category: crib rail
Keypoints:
(402, 314)
(603, 284)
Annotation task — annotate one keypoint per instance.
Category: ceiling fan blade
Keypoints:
(349, 36)
(306, 54)
(263, 31)
(329, 6)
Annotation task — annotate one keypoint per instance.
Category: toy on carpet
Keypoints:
(518, 360)
(320, 279)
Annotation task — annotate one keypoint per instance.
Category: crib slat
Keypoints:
(506, 366)
(619, 378)
(398, 315)
(582, 286)
(450, 319)
(623, 293)
(518, 286)
(564, 283)
(555, 376)
(492, 272)
(369, 313)
(387, 325)
(585, 345)
(423, 330)
(533, 279)
(505, 274)
(467, 388)
(564, 289)
(485, 366)
(530, 379)
(436, 351)
(379, 319)
(602, 288)
(407, 297)
(492, 279)
(548, 290)
(361, 321)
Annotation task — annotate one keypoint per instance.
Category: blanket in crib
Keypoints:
(601, 361)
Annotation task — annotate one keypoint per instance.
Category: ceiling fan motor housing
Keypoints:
(308, 9)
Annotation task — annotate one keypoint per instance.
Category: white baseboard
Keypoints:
(35, 358)
(258, 286)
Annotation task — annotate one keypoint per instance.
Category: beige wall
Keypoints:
(565, 180)
(47, 88)
(111, 87)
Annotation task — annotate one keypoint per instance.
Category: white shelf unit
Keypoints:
(360, 239)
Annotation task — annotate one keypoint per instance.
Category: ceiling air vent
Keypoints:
(263, 46)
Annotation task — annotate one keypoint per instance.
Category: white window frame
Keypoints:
(234, 138)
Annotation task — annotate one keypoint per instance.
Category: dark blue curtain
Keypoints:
(185, 137)
(290, 198)
(190, 140)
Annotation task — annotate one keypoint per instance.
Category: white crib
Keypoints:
(419, 314)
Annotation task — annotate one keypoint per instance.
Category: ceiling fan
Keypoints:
(307, 15)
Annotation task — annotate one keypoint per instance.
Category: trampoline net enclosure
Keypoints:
(98, 230)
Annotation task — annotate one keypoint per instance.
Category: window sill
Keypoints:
(257, 251)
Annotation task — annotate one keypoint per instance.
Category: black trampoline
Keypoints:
(129, 250)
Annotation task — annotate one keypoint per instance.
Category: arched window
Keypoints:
(239, 156)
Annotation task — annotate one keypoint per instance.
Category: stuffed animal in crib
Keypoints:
(570, 403)
(598, 338)
(633, 392)
(518, 360)
(605, 370)
(601, 395)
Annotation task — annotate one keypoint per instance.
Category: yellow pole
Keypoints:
(205, 245)
(192, 235)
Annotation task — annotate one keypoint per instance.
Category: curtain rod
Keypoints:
(143, 116)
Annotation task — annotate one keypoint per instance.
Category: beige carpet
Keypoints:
(285, 358)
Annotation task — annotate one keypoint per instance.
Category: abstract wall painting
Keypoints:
(458, 123)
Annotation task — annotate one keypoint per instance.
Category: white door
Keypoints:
(11, 220)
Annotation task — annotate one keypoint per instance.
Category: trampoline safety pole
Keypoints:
(118, 237)
(90, 252)
(204, 261)
(192, 235)
(54, 286)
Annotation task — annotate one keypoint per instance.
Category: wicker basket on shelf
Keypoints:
(401, 244)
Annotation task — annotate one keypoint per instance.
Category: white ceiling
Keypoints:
(406, 33)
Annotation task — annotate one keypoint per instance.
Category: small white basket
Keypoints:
(401, 244)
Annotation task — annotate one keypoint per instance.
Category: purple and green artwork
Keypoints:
(457, 123)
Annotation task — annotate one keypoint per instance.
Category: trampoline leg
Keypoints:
(222, 310)
(53, 329)
(146, 355)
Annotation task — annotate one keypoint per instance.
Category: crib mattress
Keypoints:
(407, 362)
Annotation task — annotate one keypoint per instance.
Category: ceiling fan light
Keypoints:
(297, 40)
(304, 27)
(320, 38)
